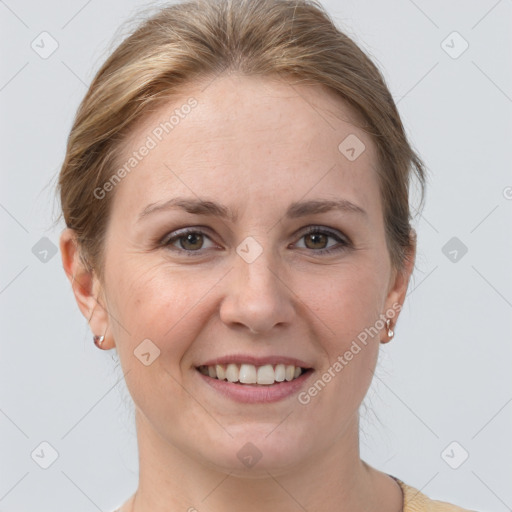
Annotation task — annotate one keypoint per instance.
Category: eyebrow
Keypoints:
(195, 206)
(206, 207)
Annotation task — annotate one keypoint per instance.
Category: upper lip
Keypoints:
(256, 361)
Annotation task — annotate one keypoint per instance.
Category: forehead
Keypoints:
(239, 137)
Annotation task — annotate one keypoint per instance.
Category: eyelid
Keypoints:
(176, 233)
(339, 237)
(169, 239)
(325, 230)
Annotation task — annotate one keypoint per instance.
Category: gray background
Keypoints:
(444, 378)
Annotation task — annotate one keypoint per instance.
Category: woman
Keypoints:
(235, 191)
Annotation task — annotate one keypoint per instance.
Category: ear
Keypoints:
(399, 283)
(86, 286)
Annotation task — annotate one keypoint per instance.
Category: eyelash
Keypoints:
(345, 243)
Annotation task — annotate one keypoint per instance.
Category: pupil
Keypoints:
(192, 240)
(317, 239)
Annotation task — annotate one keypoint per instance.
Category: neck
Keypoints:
(332, 480)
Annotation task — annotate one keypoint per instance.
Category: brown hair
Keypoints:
(195, 40)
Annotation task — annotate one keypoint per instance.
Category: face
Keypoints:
(247, 236)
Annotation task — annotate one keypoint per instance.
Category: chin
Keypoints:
(254, 455)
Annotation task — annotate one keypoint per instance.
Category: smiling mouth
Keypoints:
(264, 375)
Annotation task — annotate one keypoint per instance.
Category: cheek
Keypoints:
(170, 305)
(346, 309)
(345, 301)
(159, 302)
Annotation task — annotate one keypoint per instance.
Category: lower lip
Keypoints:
(252, 393)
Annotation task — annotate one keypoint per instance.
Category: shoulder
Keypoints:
(416, 501)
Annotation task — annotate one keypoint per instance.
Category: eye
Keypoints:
(188, 240)
(317, 239)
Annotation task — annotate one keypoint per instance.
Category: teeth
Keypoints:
(266, 374)
(250, 374)
(221, 372)
(247, 374)
(232, 373)
(280, 372)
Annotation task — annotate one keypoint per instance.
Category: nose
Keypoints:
(257, 297)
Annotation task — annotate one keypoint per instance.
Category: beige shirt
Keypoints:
(416, 501)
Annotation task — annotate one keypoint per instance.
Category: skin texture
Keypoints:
(255, 146)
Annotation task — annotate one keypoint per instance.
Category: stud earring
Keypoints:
(98, 341)
(390, 331)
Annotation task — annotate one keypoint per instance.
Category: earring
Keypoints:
(98, 341)
(390, 331)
